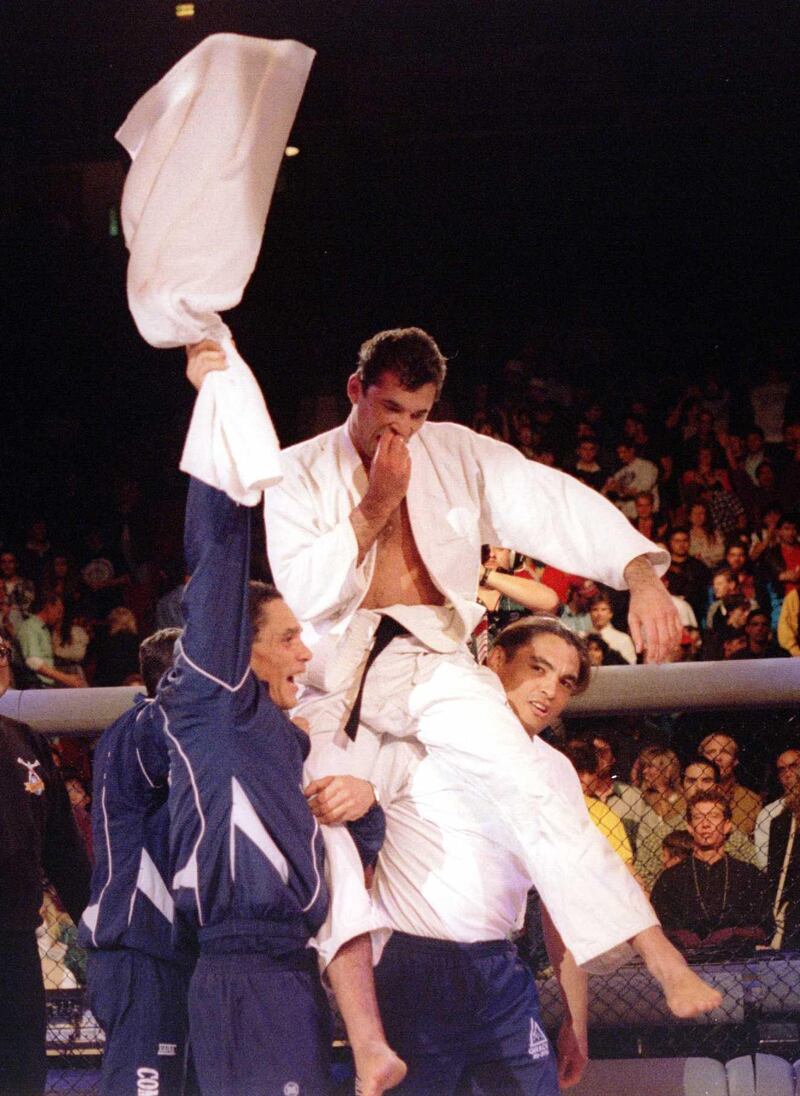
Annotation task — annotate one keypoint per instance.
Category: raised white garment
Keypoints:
(206, 144)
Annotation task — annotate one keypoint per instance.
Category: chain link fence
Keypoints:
(644, 772)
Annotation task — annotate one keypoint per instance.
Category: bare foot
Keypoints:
(378, 1068)
(688, 995)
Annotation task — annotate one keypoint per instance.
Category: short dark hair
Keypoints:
(518, 634)
(582, 755)
(260, 594)
(408, 352)
(713, 795)
(756, 613)
(735, 601)
(156, 655)
(705, 761)
(44, 598)
(587, 734)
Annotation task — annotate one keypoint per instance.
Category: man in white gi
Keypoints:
(452, 883)
(382, 520)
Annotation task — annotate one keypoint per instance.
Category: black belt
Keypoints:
(387, 630)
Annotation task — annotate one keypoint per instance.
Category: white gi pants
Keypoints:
(458, 710)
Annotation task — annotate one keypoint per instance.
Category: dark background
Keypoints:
(613, 183)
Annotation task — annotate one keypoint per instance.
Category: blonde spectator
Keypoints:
(657, 774)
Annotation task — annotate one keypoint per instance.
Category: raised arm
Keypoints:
(217, 632)
(532, 594)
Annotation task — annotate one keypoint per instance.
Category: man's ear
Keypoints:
(496, 659)
(354, 388)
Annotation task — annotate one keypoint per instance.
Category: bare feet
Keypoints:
(378, 1068)
(688, 995)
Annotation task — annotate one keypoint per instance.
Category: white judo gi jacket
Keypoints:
(465, 490)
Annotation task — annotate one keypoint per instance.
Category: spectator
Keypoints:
(117, 650)
(787, 767)
(781, 563)
(706, 475)
(600, 654)
(584, 760)
(712, 898)
(789, 477)
(624, 799)
(676, 848)
(703, 437)
(755, 451)
(739, 565)
(586, 467)
(783, 863)
(705, 542)
(9, 617)
(80, 802)
(728, 637)
(60, 577)
(765, 535)
(70, 643)
(39, 836)
(35, 645)
(693, 575)
(699, 775)
(633, 475)
(745, 803)
(37, 552)
(657, 773)
(760, 641)
(20, 592)
(647, 520)
(768, 401)
(765, 496)
(723, 584)
(575, 612)
(104, 575)
(601, 612)
(525, 440)
(789, 624)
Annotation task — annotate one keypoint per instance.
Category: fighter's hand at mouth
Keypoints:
(389, 475)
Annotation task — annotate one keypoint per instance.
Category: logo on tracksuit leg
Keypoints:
(147, 1081)
(538, 1046)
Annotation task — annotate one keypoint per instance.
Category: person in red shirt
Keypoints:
(782, 561)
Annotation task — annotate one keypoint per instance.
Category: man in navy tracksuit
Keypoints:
(246, 852)
(139, 960)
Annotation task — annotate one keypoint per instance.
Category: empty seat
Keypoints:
(774, 1076)
(741, 1076)
(653, 1077)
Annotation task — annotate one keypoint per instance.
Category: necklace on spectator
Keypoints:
(706, 914)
